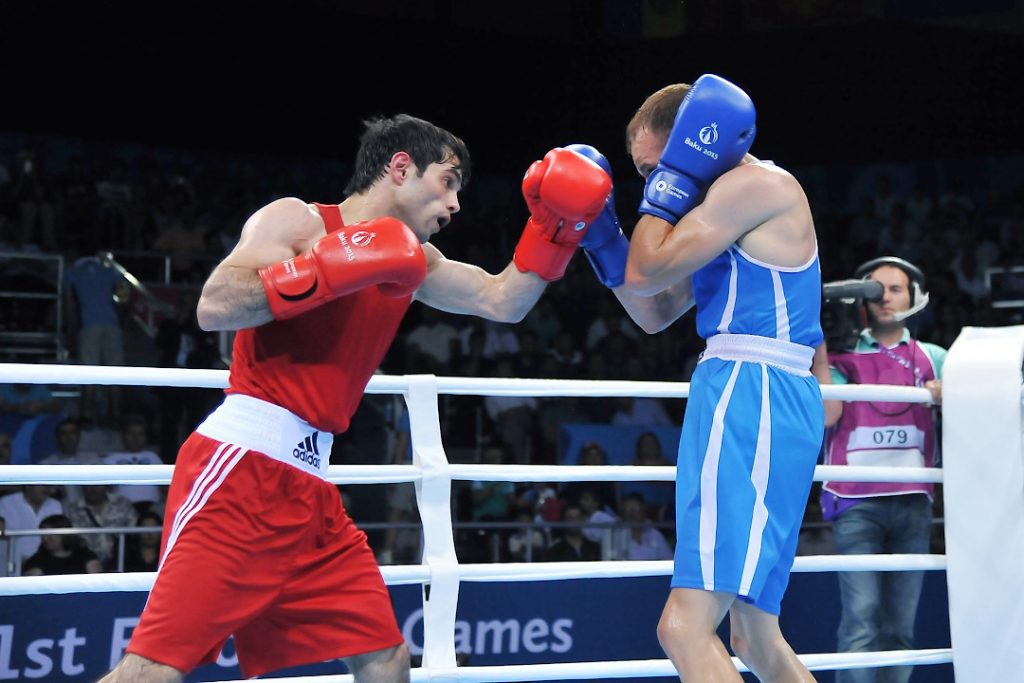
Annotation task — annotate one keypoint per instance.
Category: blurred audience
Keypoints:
(136, 451)
(100, 508)
(69, 439)
(6, 450)
(182, 344)
(92, 290)
(23, 511)
(142, 550)
(641, 540)
(527, 544)
(32, 194)
(658, 496)
(571, 545)
(598, 513)
(60, 553)
(27, 399)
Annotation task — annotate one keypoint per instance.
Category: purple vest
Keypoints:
(878, 433)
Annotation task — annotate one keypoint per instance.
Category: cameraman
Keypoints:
(879, 608)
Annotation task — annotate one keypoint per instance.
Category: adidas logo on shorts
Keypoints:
(307, 451)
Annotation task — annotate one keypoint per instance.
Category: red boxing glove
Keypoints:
(565, 192)
(382, 252)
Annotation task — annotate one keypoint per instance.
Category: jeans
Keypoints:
(879, 608)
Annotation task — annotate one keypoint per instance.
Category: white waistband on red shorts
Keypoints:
(272, 430)
(794, 358)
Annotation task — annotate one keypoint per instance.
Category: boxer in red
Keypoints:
(257, 543)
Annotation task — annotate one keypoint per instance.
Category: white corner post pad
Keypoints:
(983, 495)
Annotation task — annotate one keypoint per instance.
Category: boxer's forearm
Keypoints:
(467, 289)
(655, 313)
(232, 299)
(514, 293)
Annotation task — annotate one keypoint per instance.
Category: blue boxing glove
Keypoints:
(713, 129)
(604, 243)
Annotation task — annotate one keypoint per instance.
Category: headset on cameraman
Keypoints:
(844, 313)
(918, 294)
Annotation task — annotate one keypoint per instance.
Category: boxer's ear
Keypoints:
(400, 166)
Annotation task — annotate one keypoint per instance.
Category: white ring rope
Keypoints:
(433, 476)
(384, 474)
(161, 474)
(401, 575)
(552, 473)
(29, 373)
(630, 668)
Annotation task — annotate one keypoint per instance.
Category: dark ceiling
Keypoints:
(512, 78)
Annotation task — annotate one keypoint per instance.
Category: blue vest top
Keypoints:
(737, 294)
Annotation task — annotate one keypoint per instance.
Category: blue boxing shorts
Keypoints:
(750, 441)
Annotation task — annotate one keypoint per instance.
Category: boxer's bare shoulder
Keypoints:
(286, 227)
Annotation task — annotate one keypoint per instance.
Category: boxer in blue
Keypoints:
(733, 236)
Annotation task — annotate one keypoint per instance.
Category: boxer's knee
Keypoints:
(135, 669)
(383, 666)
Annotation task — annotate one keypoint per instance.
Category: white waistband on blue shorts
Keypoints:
(794, 358)
(272, 430)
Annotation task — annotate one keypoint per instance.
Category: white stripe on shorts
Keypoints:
(759, 478)
(709, 484)
(208, 481)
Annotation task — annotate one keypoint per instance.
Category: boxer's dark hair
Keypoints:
(425, 143)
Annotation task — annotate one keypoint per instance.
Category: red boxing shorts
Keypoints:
(259, 546)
